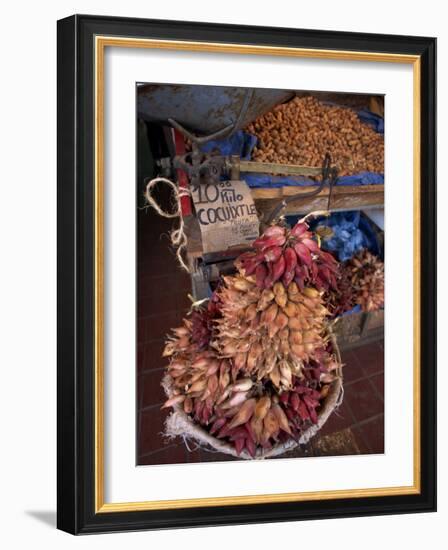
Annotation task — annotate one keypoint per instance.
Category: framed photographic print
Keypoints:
(246, 274)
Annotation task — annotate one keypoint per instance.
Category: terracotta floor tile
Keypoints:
(378, 383)
(208, 456)
(340, 443)
(151, 389)
(161, 262)
(373, 434)
(141, 330)
(371, 358)
(172, 454)
(140, 356)
(194, 455)
(363, 400)
(339, 420)
(151, 430)
(163, 300)
(358, 434)
(156, 303)
(158, 326)
(152, 358)
(352, 369)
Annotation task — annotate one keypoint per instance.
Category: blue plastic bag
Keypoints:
(240, 143)
(347, 238)
(352, 232)
(372, 119)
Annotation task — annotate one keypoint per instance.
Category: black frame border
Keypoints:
(75, 271)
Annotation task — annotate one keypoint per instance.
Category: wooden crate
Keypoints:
(359, 328)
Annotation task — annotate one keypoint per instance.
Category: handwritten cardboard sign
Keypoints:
(226, 214)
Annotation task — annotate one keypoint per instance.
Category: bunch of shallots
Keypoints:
(344, 297)
(266, 418)
(361, 282)
(269, 333)
(367, 278)
(289, 255)
(253, 367)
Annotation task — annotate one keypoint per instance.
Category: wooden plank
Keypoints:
(275, 168)
(343, 198)
(288, 190)
(341, 202)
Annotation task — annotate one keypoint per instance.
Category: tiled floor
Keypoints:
(357, 426)
(363, 407)
(162, 291)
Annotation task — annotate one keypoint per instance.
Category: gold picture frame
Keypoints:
(98, 42)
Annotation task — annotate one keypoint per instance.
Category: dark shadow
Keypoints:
(45, 516)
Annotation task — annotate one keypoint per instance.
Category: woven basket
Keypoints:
(180, 424)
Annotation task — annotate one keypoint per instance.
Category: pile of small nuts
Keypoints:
(303, 130)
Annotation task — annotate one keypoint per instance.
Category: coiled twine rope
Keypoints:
(178, 237)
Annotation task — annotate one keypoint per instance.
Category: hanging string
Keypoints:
(331, 183)
(178, 237)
